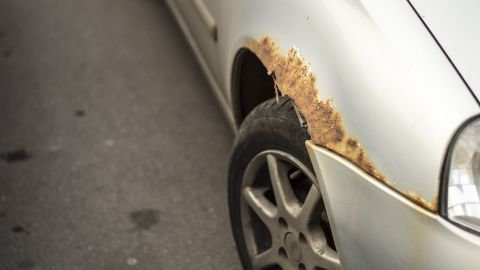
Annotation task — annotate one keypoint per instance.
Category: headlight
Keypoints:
(463, 177)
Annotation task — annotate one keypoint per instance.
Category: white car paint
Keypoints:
(376, 228)
(397, 92)
(456, 25)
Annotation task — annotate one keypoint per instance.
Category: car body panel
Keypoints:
(396, 91)
(375, 228)
(398, 94)
(456, 25)
(208, 71)
(193, 13)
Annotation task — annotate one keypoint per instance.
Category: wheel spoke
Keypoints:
(257, 201)
(264, 259)
(296, 224)
(284, 195)
(309, 206)
(327, 260)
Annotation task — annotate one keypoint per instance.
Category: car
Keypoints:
(357, 129)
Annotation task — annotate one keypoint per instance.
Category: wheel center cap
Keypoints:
(292, 247)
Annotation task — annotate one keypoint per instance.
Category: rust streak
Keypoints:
(293, 78)
(417, 199)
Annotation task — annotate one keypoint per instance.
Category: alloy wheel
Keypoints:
(284, 221)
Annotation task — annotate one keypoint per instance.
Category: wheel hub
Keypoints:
(292, 247)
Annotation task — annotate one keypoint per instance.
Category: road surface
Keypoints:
(113, 150)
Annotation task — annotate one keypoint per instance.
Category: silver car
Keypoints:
(358, 141)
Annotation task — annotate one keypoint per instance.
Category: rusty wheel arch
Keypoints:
(293, 77)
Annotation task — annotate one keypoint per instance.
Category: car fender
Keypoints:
(393, 87)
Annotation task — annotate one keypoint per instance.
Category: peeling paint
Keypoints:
(293, 78)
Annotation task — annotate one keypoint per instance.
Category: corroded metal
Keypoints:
(293, 78)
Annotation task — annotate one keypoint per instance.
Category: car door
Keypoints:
(201, 19)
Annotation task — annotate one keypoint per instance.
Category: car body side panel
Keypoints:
(396, 91)
(376, 228)
(194, 18)
(456, 25)
(397, 94)
(200, 54)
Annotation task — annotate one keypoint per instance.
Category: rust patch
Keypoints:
(417, 199)
(293, 78)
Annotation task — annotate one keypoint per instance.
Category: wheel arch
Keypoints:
(250, 85)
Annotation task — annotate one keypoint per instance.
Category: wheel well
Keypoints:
(251, 84)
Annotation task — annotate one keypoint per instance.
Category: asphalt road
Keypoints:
(113, 151)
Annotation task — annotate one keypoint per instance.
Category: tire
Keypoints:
(272, 133)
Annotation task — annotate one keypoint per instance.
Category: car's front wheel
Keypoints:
(277, 213)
